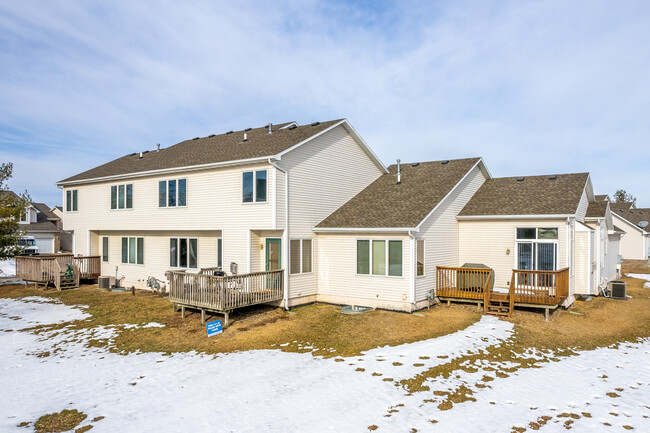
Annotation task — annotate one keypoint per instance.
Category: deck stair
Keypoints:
(498, 304)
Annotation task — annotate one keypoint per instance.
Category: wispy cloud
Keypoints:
(537, 87)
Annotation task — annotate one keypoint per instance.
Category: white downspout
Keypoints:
(412, 269)
(285, 236)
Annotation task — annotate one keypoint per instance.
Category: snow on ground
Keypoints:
(7, 268)
(270, 390)
(642, 277)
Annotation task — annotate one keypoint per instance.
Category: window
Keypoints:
(105, 249)
(254, 186)
(537, 249)
(301, 254)
(122, 196)
(382, 257)
(71, 200)
(183, 252)
(419, 257)
(133, 250)
(23, 216)
(172, 193)
(220, 252)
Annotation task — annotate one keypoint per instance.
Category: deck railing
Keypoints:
(539, 287)
(225, 293)
(44, 268)
(464, 283)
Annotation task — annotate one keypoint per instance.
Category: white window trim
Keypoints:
(301, 272)
(254, 187)
(167, 206)
(556, 259)
(136, 250)
(424, 259)
(72, 193)
(178, 252)
(117, 197)
(387, 264)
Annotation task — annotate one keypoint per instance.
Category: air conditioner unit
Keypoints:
(104, 282)
(617, 290)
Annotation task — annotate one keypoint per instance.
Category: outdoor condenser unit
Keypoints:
(617, 289)
(104, 282)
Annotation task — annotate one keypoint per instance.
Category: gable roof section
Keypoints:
(634, 217)
(385, 204)
(597, 209)
(624, 205)
(535, 195)
(601, 197)
(216, 149)
(45, 214)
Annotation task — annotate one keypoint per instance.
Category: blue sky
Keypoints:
(533, 87)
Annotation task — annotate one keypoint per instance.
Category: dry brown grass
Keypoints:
(59, 422)
(319, 326)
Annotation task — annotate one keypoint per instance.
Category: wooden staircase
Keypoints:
(498, 304)
(63, 282)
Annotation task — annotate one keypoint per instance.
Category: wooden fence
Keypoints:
(224, 294)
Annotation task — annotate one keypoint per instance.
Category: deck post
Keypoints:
(546, 314)
(182, 311)
(202, 315)
(448, 302)
(225, 324)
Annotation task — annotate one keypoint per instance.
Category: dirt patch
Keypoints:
(59, 422)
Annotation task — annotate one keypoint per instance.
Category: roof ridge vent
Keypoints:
(132, 154)
(195, 138)
(211, 135)
(520, 179)
(292, 127)
(415, 164)
(248, 129)
(446, 161)
(553, 177)
(229, 132)
(315, 124)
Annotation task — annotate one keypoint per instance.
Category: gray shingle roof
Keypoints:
(635, 216)
(597, 209)
(206, 150)
(535, 195)
(385, 204)
(45, 212)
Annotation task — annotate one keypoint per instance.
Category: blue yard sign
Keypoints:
(214, 328)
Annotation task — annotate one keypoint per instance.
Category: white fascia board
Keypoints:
(363, 229)
(628, 223)
(165, 171)
(351, 131)
(590, 190)
(480, 161)
(513, 217)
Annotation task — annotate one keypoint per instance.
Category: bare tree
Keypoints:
(12, 207)
(622, 196)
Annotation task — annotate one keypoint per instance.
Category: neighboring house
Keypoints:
(607, 238)
(44, 227)
(239, 200)
(635, 244)
(536, 223)
(382, 247)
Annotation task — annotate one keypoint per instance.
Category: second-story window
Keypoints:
(172, 193)
(71, 200)
(122, 196)
(254, 186)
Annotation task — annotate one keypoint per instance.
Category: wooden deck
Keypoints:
(537, 289)
(49, 269)
(206, 292)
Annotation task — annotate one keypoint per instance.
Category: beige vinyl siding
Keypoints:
(611, 260)
(214, 202)
(323, 175)
(338, 278)
(281, 206)
(582, 266)
(632, 244)
(493, 243)
(156, 254)
(582, 206)
(441, 233)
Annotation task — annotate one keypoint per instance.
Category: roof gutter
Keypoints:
(509, 217)
(363, 229)
(61, 184)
